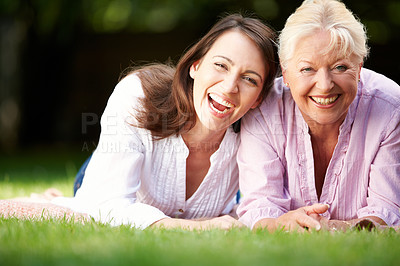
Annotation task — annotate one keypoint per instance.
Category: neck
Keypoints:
(201, 139)
(321, 132)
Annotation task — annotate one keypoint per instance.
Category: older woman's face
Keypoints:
(322, 85)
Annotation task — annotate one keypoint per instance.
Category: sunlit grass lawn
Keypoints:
(64, 242)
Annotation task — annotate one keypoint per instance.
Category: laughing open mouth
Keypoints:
(323, 100)
(218, 104)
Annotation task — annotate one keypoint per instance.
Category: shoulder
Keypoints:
(379, 88)
(231, 139)
(278, 98)
(378, 103)
(124, 101)
(126, 94)
(275, 106)
(129, 86)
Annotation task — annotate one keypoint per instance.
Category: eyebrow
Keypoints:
(232, 63)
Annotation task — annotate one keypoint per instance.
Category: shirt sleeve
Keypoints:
(112, 178)
(384, 179)
(261, 172)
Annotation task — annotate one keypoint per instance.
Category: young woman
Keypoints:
(167, 150)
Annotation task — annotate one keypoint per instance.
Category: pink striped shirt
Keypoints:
(276, 163)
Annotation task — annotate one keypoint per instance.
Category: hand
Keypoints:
(368, 223)
(362, 223)
(223, 222)
(334, 225)
(299, 220)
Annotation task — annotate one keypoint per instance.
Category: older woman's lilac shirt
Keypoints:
(276, 163)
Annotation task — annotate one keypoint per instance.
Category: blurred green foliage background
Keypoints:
(60, 59)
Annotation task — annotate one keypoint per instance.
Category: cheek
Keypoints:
(196, 94)
(350, 87)
(198, 87)
(300, 86)
(251, 98)
(297, 93)
(351, 94)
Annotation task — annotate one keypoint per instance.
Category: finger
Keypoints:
(315, 216)
(308, 222)
(230, 222)
(317, 208)
(301, 229)
(293, 227)
(236, 223)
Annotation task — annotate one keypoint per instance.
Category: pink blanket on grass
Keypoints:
(37, 210)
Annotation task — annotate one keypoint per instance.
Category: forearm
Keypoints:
(171, 223)
(306, 218)
(376, 220)
(223, 222)
(368, 222)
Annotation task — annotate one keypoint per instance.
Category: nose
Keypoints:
(324, 80)
(230, 84)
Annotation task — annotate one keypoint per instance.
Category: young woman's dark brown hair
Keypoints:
(168, 105)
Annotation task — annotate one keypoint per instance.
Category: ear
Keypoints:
(359, 69)
(284, 76)
(193, 69)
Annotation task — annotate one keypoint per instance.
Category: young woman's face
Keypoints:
(227, 80)
(322, 85)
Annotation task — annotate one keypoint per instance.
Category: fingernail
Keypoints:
(327, 205)
(318, 227)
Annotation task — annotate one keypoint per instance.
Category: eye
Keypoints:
(221, 66)
(341, 68)
(251, 80)
(306, 69)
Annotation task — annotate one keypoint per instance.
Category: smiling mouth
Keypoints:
(325, 100)
(218, 104)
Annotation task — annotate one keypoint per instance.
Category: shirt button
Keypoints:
(180, 210)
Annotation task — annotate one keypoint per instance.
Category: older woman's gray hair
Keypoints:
(348, 34)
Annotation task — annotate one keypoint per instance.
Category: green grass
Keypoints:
(68, 243)
(65, 242)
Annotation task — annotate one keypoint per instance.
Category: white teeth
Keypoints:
(221, 101)
(325, 101)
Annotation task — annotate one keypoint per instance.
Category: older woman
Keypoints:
(323, 150)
